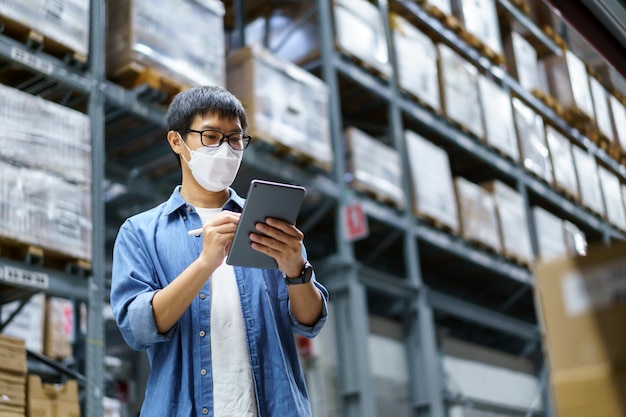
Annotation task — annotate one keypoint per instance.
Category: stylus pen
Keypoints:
(195, 232)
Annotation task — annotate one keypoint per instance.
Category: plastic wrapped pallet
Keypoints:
(433, 195)
(498, 112)
(285, 103)
(417, 62)
(530, 133)
(477, 211)
(521, 57)
(568, 81)
(28, 322)
(360, 32)
(618, 116)
(587, 170)
(512, 221)
(575, 239)
(183, 40)
(549, 232)
(480, 18)
(602, 110)
(38, 133)
(42, 209)
(63, 21)
(563, 162)
(612, 193)
(375, 166)
(459, 90)
(59, 328)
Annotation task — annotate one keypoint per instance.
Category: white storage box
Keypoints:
(417, 62)
(41, 134)
(182, 39)
(532, 141)
(602, 110)
(498, 118)
(480, 18)
(589, 182)
(563, 162)
(477, 211)
(375, 167)
(568, 82)
(285, 103)
(459, 91)
(433, 189)
(550, 236)
(63, 21)
(612, 193)
(618, 115)
(521, 57)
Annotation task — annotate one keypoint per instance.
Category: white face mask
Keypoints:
(214, 168)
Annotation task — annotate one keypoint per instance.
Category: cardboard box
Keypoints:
(590, 391)
(521, 58)
(480, 18)
(612, 193)
(568, 81)
(550, 239)
(52, 400)
(600, 97)
(498, 117)
(416, 55)
(458, 81)
(12, 355)
(560, 149)
(588, 180)
(12, 392)
(375, 166)
(59, 329)
(477, 210)
(142, 36)
(618, 117)
(512, 221)
(583, 306)
(433, 195)
(285, 103)
(359, 30)
(532, 141)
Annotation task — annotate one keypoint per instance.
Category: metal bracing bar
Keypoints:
(301, 21)
(386, 284)
(482, 316)
(313, 219)
(19, 308)
(123, 139)
(382, 246)
(58, 366)
(130, 101)
(240, 24)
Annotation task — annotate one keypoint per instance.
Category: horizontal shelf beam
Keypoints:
(485, 317)
(34, 278)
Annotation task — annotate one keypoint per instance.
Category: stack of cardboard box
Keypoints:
(12, 376)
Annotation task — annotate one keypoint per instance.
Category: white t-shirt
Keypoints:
(233, 386)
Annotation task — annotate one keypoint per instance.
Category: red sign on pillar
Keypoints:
(354, 222)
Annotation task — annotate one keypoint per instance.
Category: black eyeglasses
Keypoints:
(214, 138)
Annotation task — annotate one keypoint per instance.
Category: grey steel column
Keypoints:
(427, 385)
(351, 310)
(95, 323)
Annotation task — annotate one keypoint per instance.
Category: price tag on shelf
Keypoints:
(24, 277)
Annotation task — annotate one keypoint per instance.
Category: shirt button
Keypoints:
(202, 296)
(189, 208)
(203, 372)
(202, 333)
(184, 217)
(205, 411)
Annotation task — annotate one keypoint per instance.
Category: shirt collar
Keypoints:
(176, 201)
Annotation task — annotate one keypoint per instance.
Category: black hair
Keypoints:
(203, 100)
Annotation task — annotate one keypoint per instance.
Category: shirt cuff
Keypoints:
(142, 321)
(311, 331)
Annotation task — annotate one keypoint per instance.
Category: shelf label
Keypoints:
(31, 60)
(24, 277)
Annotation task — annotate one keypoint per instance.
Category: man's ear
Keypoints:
(175, 141)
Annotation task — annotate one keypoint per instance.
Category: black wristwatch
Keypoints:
(303, 278)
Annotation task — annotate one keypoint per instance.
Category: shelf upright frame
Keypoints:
(95, 323)
(425, 373)
(357, 396)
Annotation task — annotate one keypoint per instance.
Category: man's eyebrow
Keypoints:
(203, 127)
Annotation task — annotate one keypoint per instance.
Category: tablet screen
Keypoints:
(265, 199)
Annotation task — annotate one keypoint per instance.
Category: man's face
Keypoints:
(211, 125)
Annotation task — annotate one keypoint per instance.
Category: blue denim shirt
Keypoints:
(152, 248)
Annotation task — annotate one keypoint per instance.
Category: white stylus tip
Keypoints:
(195, 232)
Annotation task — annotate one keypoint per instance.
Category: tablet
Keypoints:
(265, 199)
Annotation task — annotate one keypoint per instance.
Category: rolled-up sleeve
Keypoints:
(312, 331)
(133, 285)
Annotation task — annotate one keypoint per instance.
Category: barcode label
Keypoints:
(24, 277)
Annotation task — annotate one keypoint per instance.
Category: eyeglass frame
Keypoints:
(224, 138)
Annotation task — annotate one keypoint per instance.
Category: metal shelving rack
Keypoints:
(353, 283)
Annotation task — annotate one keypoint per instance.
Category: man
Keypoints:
(219, 338)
